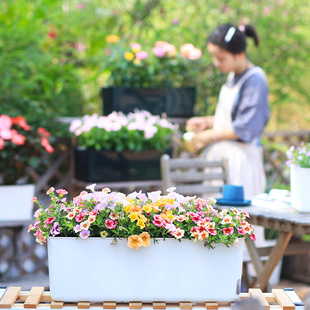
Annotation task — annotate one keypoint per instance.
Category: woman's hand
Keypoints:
(197, 124)
(200, 140)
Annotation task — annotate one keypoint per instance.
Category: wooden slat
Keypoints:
(186, 305)
(197, 189)
(109, 305)
(258, 294)
(159, 305)
(83, 305)
(10, 297)
(184, 176)
(211, 305)
(57, 304)
(135, 305)
(194, 163)
(283, 300)
(34, 297)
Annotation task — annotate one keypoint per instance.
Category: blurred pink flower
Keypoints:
(175, 21)
(79, 46)
(159, 51)
(80, 6)
(142, 55)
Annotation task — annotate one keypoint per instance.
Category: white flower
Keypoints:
(91, 187)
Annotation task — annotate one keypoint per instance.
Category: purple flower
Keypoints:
(100, 206)
(77, 228)
(55, 229)
(84, 234)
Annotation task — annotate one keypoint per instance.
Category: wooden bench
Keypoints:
(37, 298)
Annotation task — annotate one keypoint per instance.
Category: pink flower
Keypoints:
(142, 55)
(178, 233)
(61, 191)
(79, 217)
(159, 52)
(253, 237)
(79, 46)
(80, 6)
(50, 220)
(175, 21)
(5, 122)
(47, 145)
(212, 231)
(241, 231)
(110, 224)
(1, 144)
(34, 199)
(228, 231)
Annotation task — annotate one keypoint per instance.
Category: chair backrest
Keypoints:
(192, 176)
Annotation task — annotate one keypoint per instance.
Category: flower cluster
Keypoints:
(133, 65)
(299, 156)
(136, 131)
(139, 217)
(20, 147)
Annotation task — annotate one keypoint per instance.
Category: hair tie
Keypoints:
(230, 33)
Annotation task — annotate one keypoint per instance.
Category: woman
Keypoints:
(241, 114)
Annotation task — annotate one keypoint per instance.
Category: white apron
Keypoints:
(244, 160)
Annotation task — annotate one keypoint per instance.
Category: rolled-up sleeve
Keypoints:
(250, 112)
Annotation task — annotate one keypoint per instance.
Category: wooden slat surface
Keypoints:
(283, 299)
(258, 294)
(211, 305)
(159, 305)
(36, 298)
(9, 298)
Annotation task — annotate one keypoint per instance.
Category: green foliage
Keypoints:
(52, 53)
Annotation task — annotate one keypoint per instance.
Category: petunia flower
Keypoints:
(134, 242)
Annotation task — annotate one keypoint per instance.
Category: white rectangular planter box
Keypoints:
(94, 270)
(15, 202)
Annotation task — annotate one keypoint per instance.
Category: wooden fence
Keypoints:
(32, 258)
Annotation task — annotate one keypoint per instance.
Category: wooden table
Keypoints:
(37, 298)
(288, 222)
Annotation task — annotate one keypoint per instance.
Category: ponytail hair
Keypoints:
(232, 38)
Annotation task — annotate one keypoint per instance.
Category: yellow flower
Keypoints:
(137, 62)
(146, 238)
(148, 208)
(135, 242)
(133, 216)
(112, 38)
(165, 201)
(103, 234)
(167, 215)
(141, 222)
(129, 56)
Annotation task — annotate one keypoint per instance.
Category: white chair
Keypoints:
(193, 176)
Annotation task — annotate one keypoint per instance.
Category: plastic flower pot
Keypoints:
(16, 202)
(300, 180)
(96, 270)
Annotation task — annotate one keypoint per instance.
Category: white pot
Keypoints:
(94, 270)
(300, 181)
(15, 202)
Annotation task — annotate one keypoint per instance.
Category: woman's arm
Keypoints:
(203, 138)
(197, 124)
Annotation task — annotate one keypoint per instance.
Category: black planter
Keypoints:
(175, 102)
(102, 166)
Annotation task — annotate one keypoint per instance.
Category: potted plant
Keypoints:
(299, 163)
(21, 147)
(120, 147)
(108, 246)
(157, 78)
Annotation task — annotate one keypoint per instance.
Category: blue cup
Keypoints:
(232, 192)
